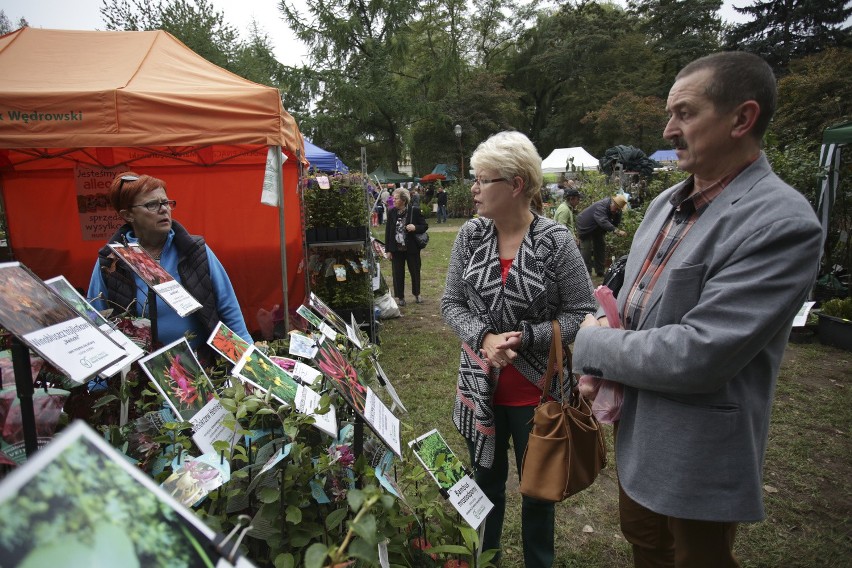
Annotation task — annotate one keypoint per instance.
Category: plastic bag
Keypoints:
(386, 306)
(608, 395)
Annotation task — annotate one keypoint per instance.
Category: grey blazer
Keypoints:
(700, 370)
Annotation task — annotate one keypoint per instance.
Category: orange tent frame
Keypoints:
(143, 101)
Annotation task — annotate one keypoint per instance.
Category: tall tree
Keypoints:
(6, 25)
(196, 23)
(815, 94)
(632, 120)
(359, 48)
(782, 30)
(683, 30)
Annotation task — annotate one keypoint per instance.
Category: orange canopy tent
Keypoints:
(78, 106)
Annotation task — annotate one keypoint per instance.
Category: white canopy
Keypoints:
(557, 161)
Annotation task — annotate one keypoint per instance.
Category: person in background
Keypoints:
(593, 223)
(567, 210)
(143, 203)
(719, 267)
(441, 200)
(380, 210)
(390, 204)
(511, 273)
(401, 247)
(415, 197)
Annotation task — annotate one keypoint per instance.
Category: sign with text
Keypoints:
(98, 220)
(39, 317)
(152, 274)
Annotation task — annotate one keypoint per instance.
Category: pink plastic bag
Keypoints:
(606, 405)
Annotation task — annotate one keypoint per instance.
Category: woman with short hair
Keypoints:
(511, 273)
(142, 201)
(401, 247)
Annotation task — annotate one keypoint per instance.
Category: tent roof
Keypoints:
(323, 159)
(387, 176)
(838, 134)
(664, 156)
(64, 89)
(557, 161)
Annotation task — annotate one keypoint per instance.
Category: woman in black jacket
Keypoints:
(401, 247)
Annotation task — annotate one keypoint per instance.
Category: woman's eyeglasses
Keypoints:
(155, 206)
(481, 182)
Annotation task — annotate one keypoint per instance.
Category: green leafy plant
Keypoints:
(838, 308)
(343, 204)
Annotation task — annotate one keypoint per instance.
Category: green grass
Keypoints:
(807, 467)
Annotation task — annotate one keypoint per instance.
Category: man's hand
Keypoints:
(620, 233)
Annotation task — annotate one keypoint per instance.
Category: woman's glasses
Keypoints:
(481, 182)
(155, 206)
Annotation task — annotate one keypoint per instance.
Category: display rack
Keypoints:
(330, 240)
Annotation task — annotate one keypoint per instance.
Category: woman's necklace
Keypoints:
(155, 252)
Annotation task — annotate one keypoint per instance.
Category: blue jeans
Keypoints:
(537, 517)
(442, 213)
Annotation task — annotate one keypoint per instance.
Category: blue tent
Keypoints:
(323, 160)
(659, 155)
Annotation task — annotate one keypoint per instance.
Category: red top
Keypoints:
(513, 389)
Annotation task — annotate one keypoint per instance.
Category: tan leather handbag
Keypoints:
(566, 450)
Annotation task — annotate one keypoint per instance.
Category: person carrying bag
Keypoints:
(566, 450)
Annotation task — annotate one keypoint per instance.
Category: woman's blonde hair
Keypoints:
(511, 154)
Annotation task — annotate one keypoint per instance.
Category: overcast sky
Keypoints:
(85, 15)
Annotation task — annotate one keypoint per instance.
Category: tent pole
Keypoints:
(282, 237)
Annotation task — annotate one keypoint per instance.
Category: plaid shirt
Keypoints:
(685, 212)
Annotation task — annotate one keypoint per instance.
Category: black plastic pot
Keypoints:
(834, 331)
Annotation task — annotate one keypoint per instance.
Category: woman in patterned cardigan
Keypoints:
(511, 273)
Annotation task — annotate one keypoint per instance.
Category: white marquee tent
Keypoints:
(558, 160)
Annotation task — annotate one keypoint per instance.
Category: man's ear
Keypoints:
(745, 116)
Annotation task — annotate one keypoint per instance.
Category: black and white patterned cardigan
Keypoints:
(548, 280)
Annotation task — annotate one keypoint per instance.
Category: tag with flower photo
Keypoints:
(340, 272)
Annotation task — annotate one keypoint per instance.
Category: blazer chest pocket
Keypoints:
(683, 289)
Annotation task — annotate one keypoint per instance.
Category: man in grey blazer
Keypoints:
(718, 268)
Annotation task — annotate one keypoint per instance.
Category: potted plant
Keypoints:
(835, 323)
(336, 211)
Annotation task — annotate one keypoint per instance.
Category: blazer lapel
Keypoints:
(699, 233)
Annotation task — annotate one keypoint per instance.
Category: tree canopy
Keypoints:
(396, 76)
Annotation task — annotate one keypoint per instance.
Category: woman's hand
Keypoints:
(410, 228)
(499, 349)
(592, 321)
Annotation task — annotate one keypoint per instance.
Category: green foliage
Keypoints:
(116, 528)
(815, 94)
(629, 117)
(459, 200)
(343, 204)
(798, 165)
(838, 308)
(355, 290)
(782, 30)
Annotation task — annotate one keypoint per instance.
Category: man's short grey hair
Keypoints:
(510, 154)
(738, 77)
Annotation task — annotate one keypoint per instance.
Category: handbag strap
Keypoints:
(555, 364)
